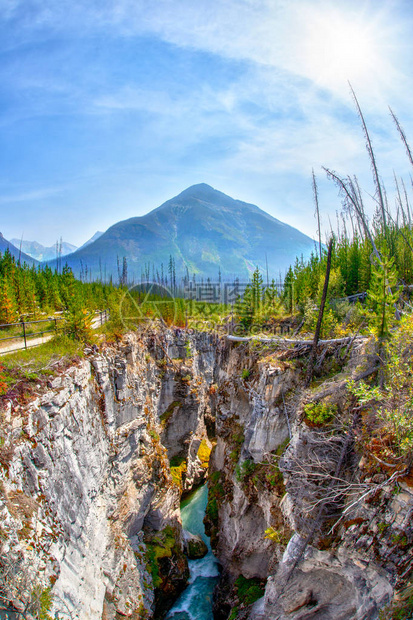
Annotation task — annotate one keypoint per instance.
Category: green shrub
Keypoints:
(320, 413)
(78, 323)
(215, 492)
(277, 536)
(178, 469)
(237, 439)
(245, 469)
(402, 607)
(248, 591)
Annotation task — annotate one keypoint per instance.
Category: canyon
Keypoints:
(93, 470)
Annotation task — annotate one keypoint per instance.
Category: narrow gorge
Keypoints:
(94, 468)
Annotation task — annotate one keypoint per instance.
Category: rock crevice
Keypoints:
(97, 465)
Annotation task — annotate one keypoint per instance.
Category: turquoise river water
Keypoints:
(195, 603)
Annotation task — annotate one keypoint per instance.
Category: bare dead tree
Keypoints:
(343, 219)
(370, 152)
(312, 476)
(350, 192)
(402, 135)
(313, 354)
(317, 210)
(399, 201)
(19, 583)
(359, 200)
(320, 481)
(407, 203)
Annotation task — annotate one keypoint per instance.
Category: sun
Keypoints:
(338, 48)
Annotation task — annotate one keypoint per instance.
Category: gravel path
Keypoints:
(32, 341)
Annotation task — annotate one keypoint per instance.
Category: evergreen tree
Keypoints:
(288, 291)
(244, 308)
(381, 296)
(271, 298)
(257, 292)
(8, 306)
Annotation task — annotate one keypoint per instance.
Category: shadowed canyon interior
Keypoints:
(101, 459)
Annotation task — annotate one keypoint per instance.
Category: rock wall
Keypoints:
(93, 470)
(89, 509)
(289, 500)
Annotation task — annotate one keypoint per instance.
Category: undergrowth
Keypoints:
(24, 370)
(248, 591)
(159, 546)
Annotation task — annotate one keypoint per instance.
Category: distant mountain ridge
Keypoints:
(40, 252)
(96, 236)
(16, 252)
(204, 230)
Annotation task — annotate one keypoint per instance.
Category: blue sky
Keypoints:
(109, 108)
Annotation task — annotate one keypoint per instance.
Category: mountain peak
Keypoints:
(206, 231)
(198, 187)
(203, 194)
(200, 191)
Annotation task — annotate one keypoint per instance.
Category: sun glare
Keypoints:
(337, 49)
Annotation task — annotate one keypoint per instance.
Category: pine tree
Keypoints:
(271, 298)
(381, 296)
(250, 306)
(256, 292)
(244, 308)
(288, 291)
(8, 306)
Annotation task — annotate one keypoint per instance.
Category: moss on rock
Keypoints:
(204, 452)
(168, 566)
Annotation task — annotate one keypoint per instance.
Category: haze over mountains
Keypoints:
(204, 230)
(16, 252)
(43, 253)
(96, 236)
(39, 252)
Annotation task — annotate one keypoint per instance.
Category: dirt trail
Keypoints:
(32, 341)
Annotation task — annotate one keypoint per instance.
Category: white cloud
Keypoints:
(161, 102)
(288, 110)
(311, 39)
(315, 39)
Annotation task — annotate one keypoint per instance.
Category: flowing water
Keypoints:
(195, 603)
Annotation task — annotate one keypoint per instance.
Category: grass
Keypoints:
(23, 369)
(31, 329)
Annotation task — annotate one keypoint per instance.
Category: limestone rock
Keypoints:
(327, 587)
(95, 475)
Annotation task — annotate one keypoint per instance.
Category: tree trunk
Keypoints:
(313, 354)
